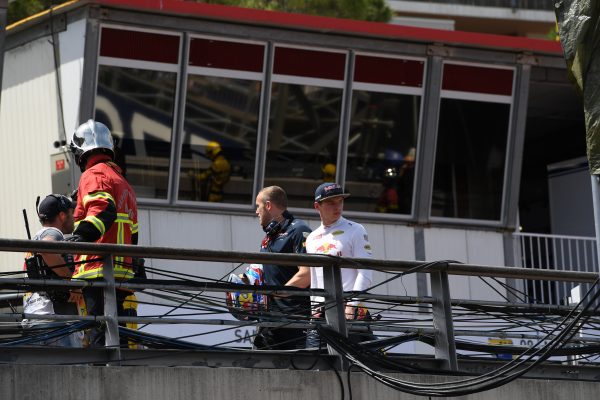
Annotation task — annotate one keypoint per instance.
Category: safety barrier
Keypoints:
(554, 252)
(434, 319)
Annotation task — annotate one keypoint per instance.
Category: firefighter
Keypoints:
(213, 179)
(328, 171)
(106, 212)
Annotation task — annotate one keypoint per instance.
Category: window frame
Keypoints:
(392, 89)
(221, 73)
(480, 97)
(151, 66)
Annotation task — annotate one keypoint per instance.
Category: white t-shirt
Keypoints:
(343, 238)
(38, 302)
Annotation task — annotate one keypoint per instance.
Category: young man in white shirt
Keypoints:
(340, 237)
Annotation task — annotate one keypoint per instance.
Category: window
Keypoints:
(221, 121)
(386, 104)
(135, 98)
(304, 120)
(472, 138)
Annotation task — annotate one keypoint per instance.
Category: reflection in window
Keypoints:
(381, 152)
(219, 143)
(137, 106)
(470, 158)
(303, 139)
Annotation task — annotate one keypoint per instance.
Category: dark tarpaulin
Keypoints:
(579, 31)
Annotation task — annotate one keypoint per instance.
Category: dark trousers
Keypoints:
(279, 339)
(94, 304)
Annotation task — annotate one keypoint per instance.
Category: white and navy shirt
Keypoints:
(343, 238)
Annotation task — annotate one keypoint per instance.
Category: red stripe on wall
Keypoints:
(143, 46)
(309, 63)
(227, 55)
(388, 71)
(468, 78)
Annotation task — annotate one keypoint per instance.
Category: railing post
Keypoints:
(111, 337)
(445, 347)
(335, 306)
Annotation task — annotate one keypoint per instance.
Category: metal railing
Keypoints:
(556, 253)
(441, 326)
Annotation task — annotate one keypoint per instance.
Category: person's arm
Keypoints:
(100, 213)
(301, 279)
(52, 260)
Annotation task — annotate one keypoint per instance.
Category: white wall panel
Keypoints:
(399, 242)
(448, 244)
(28, 129)
(469, 246)
(485, 248)
(72, 43)
(246, 233)
(192, 231)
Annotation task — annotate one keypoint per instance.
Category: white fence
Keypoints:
(553, 252)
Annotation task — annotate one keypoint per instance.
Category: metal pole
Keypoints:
(445, 347)
(110, 310)
(3, 11)
(335, 307)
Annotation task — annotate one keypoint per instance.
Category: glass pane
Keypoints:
(137, 106)
(381, 152)
(303, 138)
(470, 158)
(219, 143)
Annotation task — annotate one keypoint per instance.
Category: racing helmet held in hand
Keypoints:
(243, 304)
(91, 136)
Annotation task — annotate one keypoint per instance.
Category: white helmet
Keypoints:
(90, 136)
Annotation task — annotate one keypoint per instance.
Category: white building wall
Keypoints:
(72, 43)
(467, 246)
(29, 126)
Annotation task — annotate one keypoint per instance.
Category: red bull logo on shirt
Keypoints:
(327, 248)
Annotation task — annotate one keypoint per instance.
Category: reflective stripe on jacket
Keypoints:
(107, 201)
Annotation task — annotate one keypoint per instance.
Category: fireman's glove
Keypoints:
(75, 238)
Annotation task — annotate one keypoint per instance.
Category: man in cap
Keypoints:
(341, 237)
(55, 213)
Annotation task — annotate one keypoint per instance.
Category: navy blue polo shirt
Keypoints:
(291, 238)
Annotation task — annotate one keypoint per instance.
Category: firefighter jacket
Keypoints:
(106, 212)
(216, 177)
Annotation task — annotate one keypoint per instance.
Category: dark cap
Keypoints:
(52, 205)
(328, 190)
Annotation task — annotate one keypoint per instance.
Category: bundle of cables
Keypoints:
(365, 359)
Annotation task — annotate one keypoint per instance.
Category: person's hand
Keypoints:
(75, 296)
(350, 310)
(75, 238)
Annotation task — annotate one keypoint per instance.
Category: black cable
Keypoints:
(349, 381)
(439, 389)
(197, 294)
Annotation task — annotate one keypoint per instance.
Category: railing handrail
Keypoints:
(19, 245)
(554, 236)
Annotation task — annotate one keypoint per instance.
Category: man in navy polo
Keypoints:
(284, 234)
